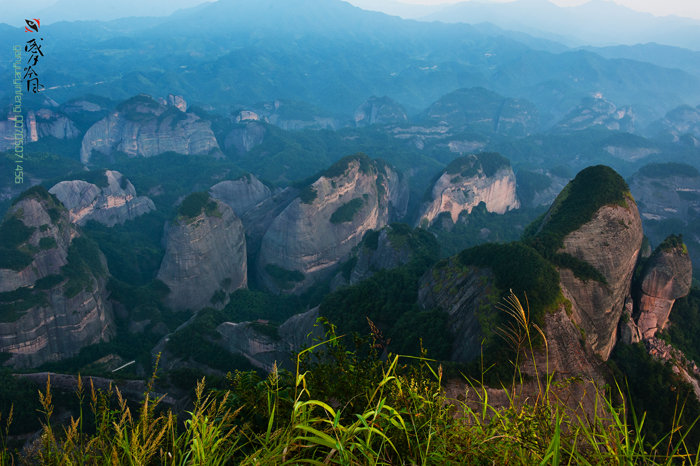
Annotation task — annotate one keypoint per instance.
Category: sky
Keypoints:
(688, 8)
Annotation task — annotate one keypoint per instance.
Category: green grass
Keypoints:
(338, 407)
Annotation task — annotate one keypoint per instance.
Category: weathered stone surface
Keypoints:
(463, 188)
(143, 127)
(484, 111)
(242, 194)
(114, 204)
(597, 112)
(263, 351)
(380, 110)
(59, 319)
(610, 242)
(245, 136)
(459, 291)
(37, 125)
(629, 332)
(204, 255)
(302, 244)
(667, 276)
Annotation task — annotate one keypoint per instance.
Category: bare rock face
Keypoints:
(263, 350)
(460, 291)
(467, 182)
(37, 125)
(484, 111)
(667, 276)
(681, 124)
(392, 246)
(242, 194)
(319, 229)
(597, 112)
(380, 110)
(596, 232)
(48, 123)
(112, 204)
(205, 257)
(245, 136)
(53, 296)
(143, 127)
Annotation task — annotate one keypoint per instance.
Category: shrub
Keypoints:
(347, 211)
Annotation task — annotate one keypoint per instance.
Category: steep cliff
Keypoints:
(593, 233)
(319, 229)
(53, 297)
(680, 125)
(242, 194)
(478, 109)
(245, 136)
(666, 277)
(205, 257)
(392, 246)
(38, 124)
(597, 112)
(468, 181)
(380, 110)
(143, 127)
(113, 202)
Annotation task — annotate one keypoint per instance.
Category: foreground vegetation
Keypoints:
(341, 408)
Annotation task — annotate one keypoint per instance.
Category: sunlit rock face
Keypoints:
(467, 182)
(597, 112)
(319, 228)
(53, 285)
(667, 276)
(205, 258)
(143, 127)
(110, 205)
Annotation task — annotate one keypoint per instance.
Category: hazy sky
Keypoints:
(690, 8)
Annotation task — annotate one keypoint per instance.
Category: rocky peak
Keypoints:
(110, 200)
(593, 234)
(178, 102)
(205, 257)
(242, 194)
(143, 127)
(478, 109)
(679, 124)
(597, 112)
(667, 276)
(319, 229)
(380, 110)
(53, 297)
(388, 248)
(468, 181)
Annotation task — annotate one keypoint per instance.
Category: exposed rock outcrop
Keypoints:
(242, 194)
(205, 257)
(680, 125)
(388, 248)
(593, 232)
(478, 109)
(53, 296)
(245, 136)
(263, 350)
(468, 181)
(143, 127)
(597, 112)
(112, 204)
(667, 276)
(320, 228)
(380, 110)
(460, 291)
(37, 125)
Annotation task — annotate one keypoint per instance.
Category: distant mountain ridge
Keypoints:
(597, 22)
